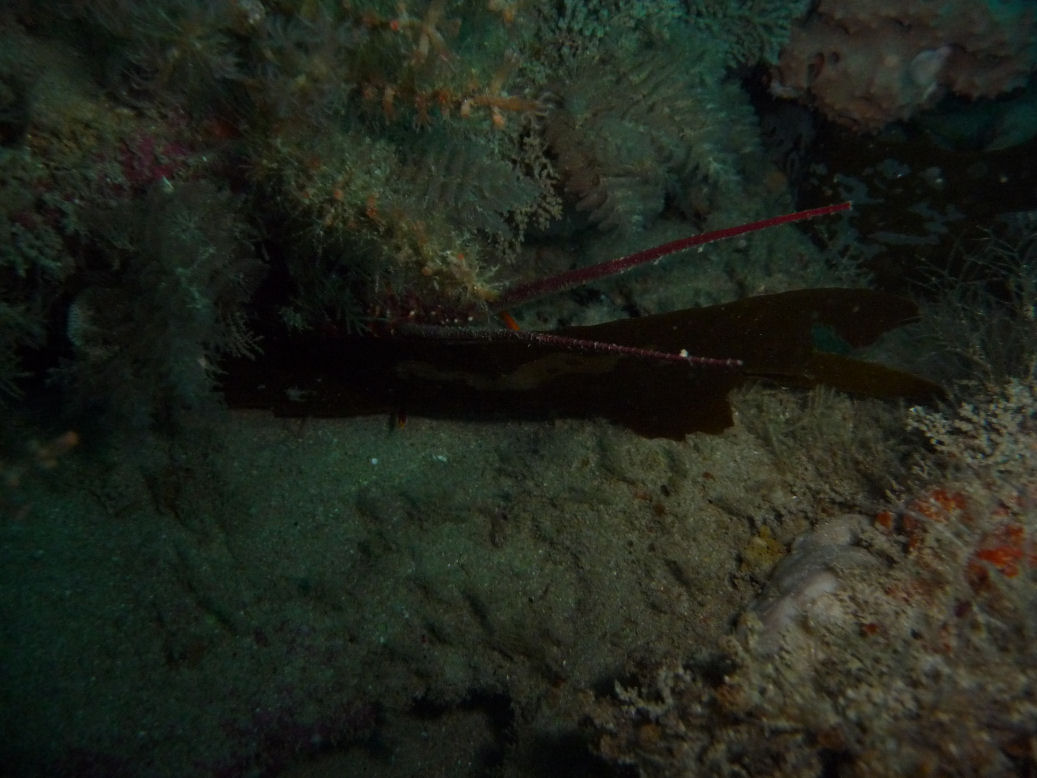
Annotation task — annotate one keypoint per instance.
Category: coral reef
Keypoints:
(886, 645)
(866, 64)
(390, 160)
(820, 589)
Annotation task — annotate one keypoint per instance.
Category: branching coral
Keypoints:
(182, 47)
(981, 325)
(751, 31)
(33, 262)
(630, 139)
(397, 153)
(148, 330)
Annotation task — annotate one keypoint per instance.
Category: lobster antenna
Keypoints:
(579, 345)
(582, 275)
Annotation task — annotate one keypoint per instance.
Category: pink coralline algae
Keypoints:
(865, 63)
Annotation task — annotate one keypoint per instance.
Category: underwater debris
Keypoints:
(494, 374)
